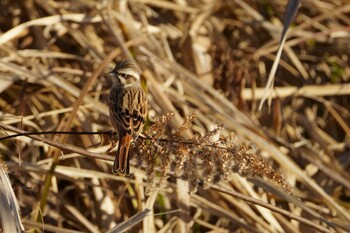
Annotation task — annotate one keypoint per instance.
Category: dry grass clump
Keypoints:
(208, 57)
(205, 160)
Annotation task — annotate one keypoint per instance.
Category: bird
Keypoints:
(127, 110)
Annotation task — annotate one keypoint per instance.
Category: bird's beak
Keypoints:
(112, 73)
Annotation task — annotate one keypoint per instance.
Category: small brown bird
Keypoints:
(127, 110)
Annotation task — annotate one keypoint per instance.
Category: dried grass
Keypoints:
(211, 58)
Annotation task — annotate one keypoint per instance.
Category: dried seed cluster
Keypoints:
(202, 159)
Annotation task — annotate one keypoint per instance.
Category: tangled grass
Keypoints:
(220, 170)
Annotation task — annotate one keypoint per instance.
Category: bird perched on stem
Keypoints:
(127, 110)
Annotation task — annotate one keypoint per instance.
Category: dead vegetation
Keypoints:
(225, 168)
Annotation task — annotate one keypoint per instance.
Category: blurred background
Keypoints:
(207, 57)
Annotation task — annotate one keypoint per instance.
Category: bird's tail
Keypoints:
(121, 162)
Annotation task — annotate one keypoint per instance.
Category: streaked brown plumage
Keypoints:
(127, 110)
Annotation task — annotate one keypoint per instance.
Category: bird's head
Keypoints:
(125, 73)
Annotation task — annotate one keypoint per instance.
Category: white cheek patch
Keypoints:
(123, 82)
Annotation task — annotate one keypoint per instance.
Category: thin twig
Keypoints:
(61, 146)
(111, 133)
